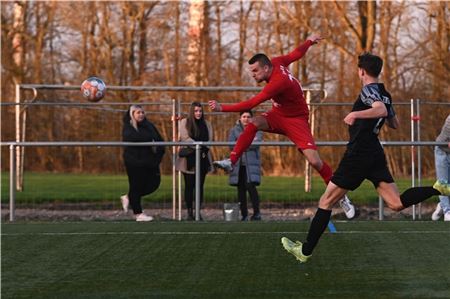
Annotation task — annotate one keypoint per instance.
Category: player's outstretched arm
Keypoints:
(266, 94)
(301, 50)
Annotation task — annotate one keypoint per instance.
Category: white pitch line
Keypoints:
(216, 233)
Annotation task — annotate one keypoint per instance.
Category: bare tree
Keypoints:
(205, 46)
(18, 40)
(243, 22)
(142, 43)
(364, 30)
(440, 46)
(196, 14)
(176, 68)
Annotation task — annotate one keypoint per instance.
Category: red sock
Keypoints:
(243, 143)
(325, 172)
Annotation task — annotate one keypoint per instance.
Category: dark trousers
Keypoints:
(141, 181)
(244, 186)
(189, 188)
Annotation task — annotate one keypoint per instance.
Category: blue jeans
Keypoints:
(442, 162)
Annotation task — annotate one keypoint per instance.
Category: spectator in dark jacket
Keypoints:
(247, 173)
(141, 162)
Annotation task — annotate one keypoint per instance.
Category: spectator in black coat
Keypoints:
(141, 162)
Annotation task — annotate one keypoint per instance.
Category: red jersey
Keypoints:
(282, 87)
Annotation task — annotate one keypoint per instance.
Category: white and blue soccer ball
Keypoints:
(93, 89)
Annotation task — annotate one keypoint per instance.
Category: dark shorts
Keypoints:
(297, 129)
(354, 168)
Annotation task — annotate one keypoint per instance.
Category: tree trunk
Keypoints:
(218, 66)
(279, 43)
(258, 26)
(364, 31)
(18, 41)
(367, 21)
(176, 68)
(243, 22)
(196, 8)
(205, 48)
(108, 43)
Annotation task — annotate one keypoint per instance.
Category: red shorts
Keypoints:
(297, 129)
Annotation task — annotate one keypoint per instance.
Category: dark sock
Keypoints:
(416, 195)
(316, 229)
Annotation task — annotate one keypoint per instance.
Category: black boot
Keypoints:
(200, 216)
(256, 217)
(190, 214)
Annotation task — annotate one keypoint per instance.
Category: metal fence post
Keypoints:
(197, 182)
(380, 208)
(419, 155)
(12, 182)
(174, 157)
(413, 155)
(18, 155)
(179, 172)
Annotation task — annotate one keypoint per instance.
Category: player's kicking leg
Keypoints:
(303, 251)
(388, 191)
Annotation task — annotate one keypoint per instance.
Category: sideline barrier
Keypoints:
(22, 105)
(13, 146)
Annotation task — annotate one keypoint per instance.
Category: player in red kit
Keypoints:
(289, 114)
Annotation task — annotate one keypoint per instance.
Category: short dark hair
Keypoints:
(246, 111)
(261, 58)
(372, 64)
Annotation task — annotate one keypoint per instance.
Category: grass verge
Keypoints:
(88, 188)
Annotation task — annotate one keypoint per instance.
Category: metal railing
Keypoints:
(22, 104)
(14, 145)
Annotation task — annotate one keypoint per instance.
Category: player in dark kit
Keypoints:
(364, 158)
(289, 115)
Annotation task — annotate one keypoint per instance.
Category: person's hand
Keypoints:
(315, 38)
(215, 106)
(176, 118)
(350, 119)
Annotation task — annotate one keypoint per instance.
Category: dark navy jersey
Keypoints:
(364, 132)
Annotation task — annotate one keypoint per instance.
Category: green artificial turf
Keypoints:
(223, 260)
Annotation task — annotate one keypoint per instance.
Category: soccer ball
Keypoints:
(93, 89)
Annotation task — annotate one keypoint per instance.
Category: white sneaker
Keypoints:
(125, 202)
(437, 213)
(447, 216)
(224, 164)
(347, 206)
(142, 217)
